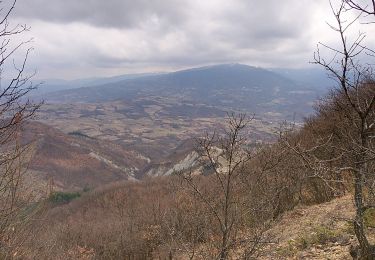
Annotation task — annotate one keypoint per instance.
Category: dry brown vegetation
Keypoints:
(73, 161)
(223, 215)
(336, 146)
(150, 219)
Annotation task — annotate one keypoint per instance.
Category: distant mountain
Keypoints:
(228, 86)
(309, 78)
(53, 85)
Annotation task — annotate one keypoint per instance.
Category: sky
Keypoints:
(92, 38)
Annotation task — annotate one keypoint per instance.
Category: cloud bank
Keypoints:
(74, 39)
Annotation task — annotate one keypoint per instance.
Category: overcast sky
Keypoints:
(83, 38)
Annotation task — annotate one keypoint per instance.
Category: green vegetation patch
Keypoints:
(80, 134)
(321, 235)
(60, 197)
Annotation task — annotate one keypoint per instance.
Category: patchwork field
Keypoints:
(152, 126)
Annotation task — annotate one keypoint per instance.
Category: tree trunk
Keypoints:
(366, 251)
(359, 229)
(224, 251)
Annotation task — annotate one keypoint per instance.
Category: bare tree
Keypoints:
(15, 109)
(366, 7)
(347, 143)
(227, 201)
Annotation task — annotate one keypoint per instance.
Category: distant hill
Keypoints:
(54, 85)
(74, 161)
(309, 78)
(228, 86)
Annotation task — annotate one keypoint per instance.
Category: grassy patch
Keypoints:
(369, 218)
(323, 235)
(349, 228)
(320, 235)
(289, 250)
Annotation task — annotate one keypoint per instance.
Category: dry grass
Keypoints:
(315, 232)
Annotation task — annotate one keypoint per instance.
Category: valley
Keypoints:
(150, 133)
(155, 119)
(151, 126)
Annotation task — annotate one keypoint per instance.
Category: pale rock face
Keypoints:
(188, 162)
(185, 164)
(129, 171)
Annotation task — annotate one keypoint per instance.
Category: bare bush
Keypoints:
(15, 109)
(233, 201)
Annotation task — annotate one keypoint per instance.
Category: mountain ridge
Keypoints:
(227, 86)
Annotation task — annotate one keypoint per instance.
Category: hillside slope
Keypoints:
(75, 161)
(89, 227)
(322, 231)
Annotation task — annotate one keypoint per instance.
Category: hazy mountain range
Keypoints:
(227, 86)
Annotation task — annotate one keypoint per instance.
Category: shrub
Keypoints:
(79, 134)
(63, 197)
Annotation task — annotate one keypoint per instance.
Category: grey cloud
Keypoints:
(108, 13)
(90, 35)
(265, 24)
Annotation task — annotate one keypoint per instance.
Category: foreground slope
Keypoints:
(131, 220)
